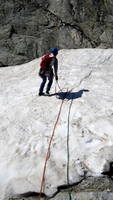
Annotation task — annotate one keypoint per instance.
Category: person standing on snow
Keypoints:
(48, 69)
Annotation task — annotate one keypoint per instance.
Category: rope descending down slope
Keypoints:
(50, 142)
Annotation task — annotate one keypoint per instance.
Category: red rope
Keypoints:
(48, 152)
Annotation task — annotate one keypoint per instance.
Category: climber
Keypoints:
(48, 69)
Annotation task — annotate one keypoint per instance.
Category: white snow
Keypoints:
(27, 120)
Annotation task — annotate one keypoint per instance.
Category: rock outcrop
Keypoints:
(28, 28)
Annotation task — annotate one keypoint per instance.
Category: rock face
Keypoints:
(82, 146)
(28, 28)
(89, 189)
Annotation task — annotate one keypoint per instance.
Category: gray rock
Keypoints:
(85, 196)
(89, 189)
(28, 29)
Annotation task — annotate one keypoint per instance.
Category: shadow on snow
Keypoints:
(70, 95)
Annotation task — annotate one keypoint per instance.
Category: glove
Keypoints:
(41, 72)
(56, 77)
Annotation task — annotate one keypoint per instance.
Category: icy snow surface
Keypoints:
(83, 140)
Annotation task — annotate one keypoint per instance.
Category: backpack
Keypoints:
(45, 63)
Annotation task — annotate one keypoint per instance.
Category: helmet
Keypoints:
(54, 51)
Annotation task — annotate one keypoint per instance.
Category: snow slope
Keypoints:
(83, 140)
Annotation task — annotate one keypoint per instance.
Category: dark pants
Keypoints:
(44, 79)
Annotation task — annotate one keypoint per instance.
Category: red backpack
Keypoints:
(45, 63)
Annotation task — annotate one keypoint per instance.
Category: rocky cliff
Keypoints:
(28, 28)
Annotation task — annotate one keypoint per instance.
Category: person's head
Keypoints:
(54, 51)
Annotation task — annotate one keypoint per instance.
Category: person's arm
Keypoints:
(56, 68)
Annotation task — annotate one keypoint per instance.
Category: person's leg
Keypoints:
(42, 84)
(50, 78)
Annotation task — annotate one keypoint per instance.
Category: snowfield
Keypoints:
(83, 140)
